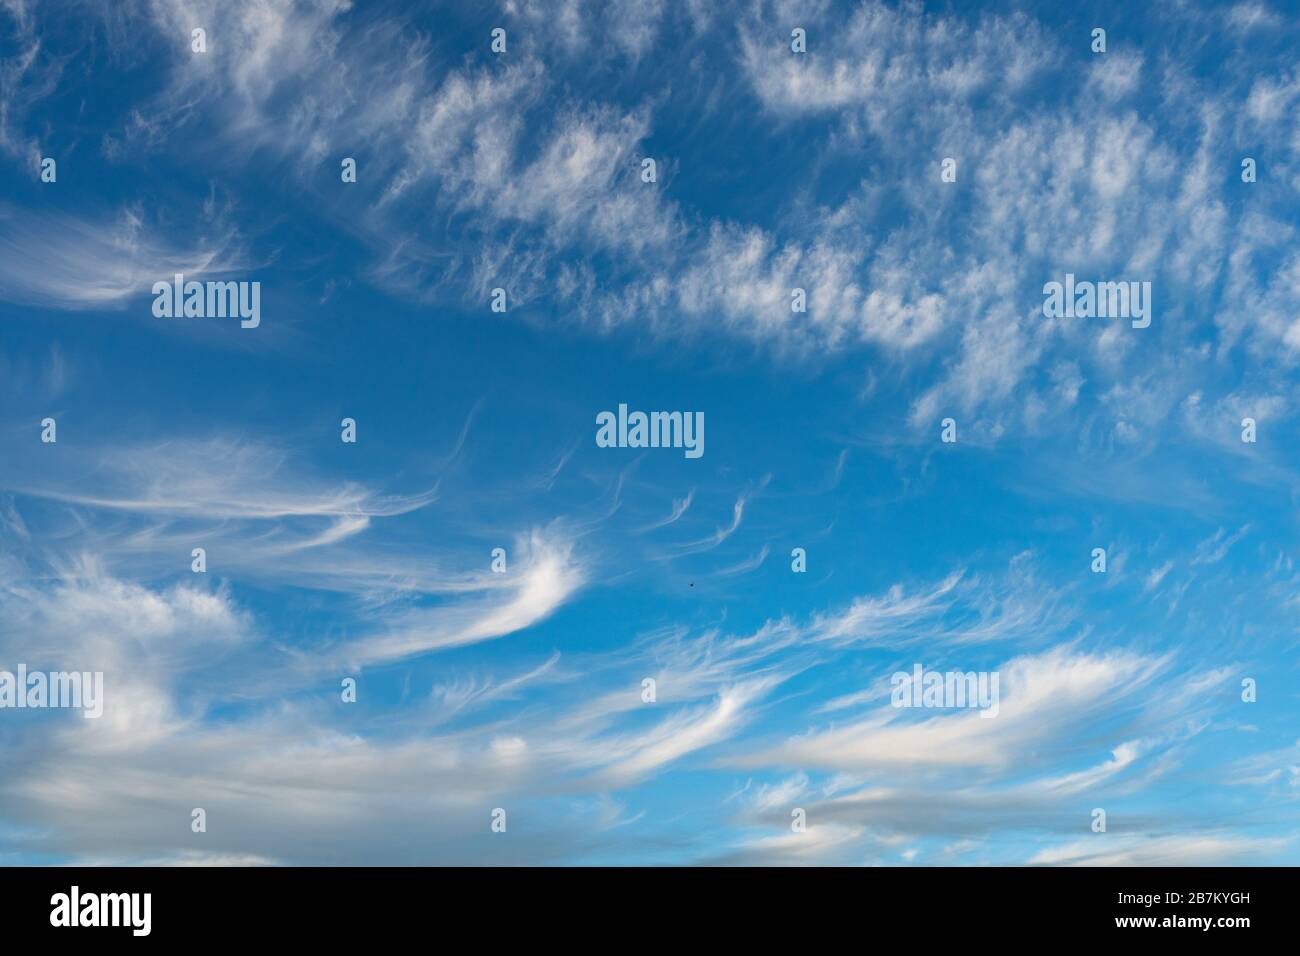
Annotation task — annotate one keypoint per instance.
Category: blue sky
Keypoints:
(522, 690)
